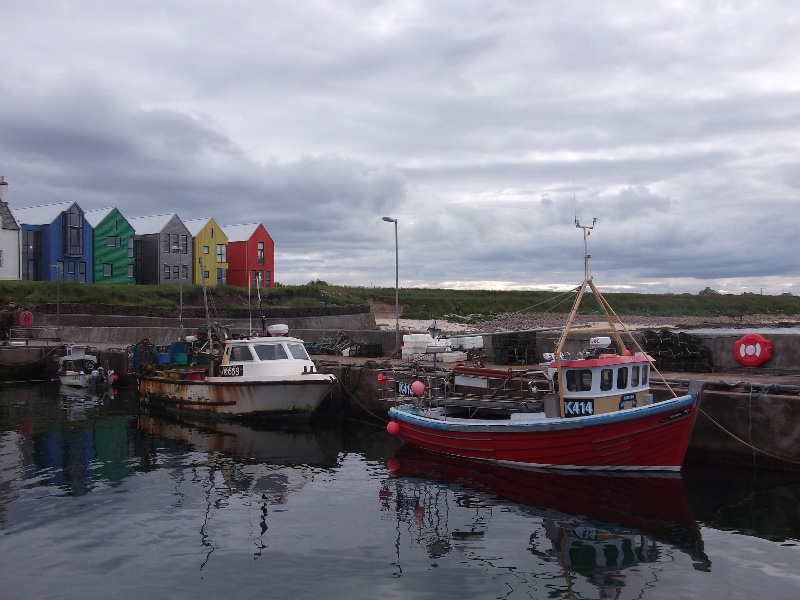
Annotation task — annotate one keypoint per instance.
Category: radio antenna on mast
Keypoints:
(586, 256)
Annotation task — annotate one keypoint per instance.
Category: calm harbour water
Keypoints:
(98, 500)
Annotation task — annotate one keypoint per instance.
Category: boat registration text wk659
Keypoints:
(231, 371)
(578, 408)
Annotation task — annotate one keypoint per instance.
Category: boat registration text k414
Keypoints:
(577, 408)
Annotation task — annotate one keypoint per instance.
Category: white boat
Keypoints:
(262, 377)
(76, 368)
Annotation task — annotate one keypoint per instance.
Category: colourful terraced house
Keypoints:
(251, 255)
(55, 243)
(162, 251)
(113, 238)
(210, 247)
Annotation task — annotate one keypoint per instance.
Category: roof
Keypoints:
(195, 226)
(94, 217)
(150, 224)
(240, 233)
(7, 220)
(41, 215)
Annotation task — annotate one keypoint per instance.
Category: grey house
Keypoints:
(162, 250)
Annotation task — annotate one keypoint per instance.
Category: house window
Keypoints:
(1, 259)
(184, 244)
(212, 233)
(72, 231)
(130, 247)
(205, 249)
(130, 271)
(260, 255)
(267, 279)
(108, 270)
(185, 273)
(116, 224)
(113, 241)
(167, 271)
(222, 253)
(176, 272)
(82, 272)
(165, 248)
(205, 274)
(175, 246)
(222, 276)
(71, 269)
(31, 258)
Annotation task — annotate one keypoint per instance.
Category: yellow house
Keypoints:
(210, 248)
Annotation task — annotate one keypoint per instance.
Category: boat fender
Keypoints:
(752, 350)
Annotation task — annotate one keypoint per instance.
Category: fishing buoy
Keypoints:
(752, 350)
(393, 427)
(26, 319)
(382, 379)
(418, 388)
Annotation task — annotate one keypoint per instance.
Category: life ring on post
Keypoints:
(752, 350)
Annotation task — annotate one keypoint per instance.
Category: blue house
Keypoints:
(55, 241)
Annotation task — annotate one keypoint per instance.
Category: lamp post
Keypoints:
(396, 286)
(177, 248)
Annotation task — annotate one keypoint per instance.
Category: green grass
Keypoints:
(415, 303)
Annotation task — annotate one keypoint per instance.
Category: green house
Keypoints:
(113, 246)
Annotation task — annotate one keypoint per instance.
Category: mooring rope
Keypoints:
(749, 445)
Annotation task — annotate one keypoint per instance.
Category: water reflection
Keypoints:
(600, 527)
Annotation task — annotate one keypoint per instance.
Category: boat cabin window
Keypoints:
(579, 380)
(241, 353)
(606, 379)
(622, 378)
(645, 370)
(635, 376)
(298, 351)
(271, 352)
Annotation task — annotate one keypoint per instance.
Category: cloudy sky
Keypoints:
(484, 128)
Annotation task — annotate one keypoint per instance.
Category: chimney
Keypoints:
(3, 188)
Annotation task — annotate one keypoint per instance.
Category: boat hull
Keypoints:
(293, 399)
(74, 379)
(652, 437)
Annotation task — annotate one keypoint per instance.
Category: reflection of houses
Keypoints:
(161, 248)
(9, 237)
(112, 246)
(55, 239)
(251, 255)
(209, 244)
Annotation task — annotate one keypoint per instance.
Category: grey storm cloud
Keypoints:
(486, 129)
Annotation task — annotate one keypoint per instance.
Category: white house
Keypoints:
(9, 237)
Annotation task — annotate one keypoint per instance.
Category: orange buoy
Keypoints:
(752, 350)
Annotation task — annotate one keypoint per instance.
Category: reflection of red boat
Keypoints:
(654, 504)
(598, 412)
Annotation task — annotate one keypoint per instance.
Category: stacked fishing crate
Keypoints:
(514, 348)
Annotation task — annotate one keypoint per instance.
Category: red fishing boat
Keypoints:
(596, 413)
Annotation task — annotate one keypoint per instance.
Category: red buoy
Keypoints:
(752, 350)
(418, 388)
(393, 427)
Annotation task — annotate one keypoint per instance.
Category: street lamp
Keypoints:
(177, 248)
(396, 286)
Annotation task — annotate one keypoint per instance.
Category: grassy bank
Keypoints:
(415, 303)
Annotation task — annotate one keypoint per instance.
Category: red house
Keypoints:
(251, 255)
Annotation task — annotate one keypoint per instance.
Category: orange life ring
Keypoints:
(752, 350)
